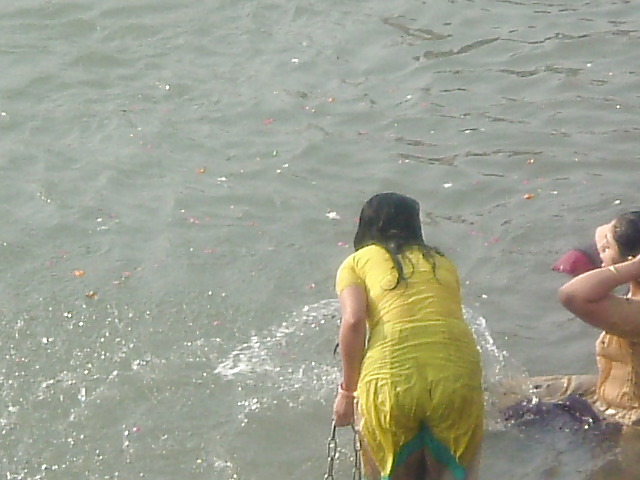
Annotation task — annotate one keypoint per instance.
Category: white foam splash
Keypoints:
(296, 358)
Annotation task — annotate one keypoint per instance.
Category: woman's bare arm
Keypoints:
(353, 331)
(590, 297)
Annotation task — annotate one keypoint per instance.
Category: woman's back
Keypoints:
(428, 291)
(416, 322)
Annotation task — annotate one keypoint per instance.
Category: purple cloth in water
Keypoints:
(572, 413)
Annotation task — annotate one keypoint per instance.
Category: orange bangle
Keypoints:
(344, 392)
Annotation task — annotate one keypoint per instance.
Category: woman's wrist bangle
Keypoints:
(346, 393)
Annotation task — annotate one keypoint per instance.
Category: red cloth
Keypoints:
(575, 262)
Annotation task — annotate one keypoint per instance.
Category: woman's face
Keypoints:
(607, 247)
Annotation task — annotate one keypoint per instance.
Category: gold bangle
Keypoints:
(614, 269)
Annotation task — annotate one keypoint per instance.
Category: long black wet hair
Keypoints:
(626, 234)
(392, 221)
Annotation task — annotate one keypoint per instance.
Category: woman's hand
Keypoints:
(636, 263)
(343, 409)
(627, 270)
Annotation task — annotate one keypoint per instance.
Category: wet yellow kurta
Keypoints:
(421, 379)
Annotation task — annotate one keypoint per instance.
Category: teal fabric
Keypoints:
(425, 439)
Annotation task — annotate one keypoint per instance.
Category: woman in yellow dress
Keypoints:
(411, 370)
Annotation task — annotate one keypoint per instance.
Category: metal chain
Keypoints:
(357, 454)
(332, 451)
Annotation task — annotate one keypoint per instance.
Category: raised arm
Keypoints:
(590, 297)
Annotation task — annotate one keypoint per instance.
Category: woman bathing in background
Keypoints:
(615, 392)
(413, 385)
(591, 298)
(613, 396)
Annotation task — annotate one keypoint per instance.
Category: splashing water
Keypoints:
(296, 358)
(293, 359)
(505, 380)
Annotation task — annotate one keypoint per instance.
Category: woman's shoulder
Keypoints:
(358, 265)
(367, 253)
(365, 257)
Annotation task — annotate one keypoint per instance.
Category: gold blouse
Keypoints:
(618, 389)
